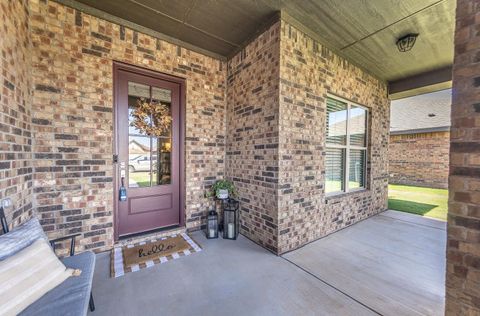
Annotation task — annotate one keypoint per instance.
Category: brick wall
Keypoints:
(252, 135)
(72, 118)
(276, 126)
(15, 103)
(463, 246)
(420, 159)
(308, 71)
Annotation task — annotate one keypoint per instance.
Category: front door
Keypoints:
(148, 128)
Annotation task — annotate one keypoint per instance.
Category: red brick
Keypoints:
(420, 159)
(15, 134)
(462, 295)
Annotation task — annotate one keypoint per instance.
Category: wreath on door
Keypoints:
(151, 118)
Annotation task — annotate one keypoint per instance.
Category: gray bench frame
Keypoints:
(53, 242)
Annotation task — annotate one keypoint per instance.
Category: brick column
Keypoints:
(463, 249)
(15, 110)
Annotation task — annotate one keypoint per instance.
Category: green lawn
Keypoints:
(422, 201)
(141, 178)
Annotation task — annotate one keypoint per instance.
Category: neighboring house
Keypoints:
(135, 148)
(420, 140)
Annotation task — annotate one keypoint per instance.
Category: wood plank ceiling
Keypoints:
(363, 31)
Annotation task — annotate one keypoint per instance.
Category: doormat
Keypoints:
(131, 258)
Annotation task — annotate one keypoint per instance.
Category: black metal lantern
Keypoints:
(406, 42)
(230, 219)
(212, 225)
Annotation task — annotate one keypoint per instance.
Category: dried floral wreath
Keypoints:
(158, 113)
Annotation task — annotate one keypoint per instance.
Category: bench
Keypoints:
(72, 297)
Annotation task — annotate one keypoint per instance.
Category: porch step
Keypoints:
(151, 236)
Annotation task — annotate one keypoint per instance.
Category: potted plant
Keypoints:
(223, 189)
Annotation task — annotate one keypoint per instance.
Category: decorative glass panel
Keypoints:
(162, 148)
(161, 162)
(162, 117)
(139, 164)
(150, 136)
(336, 122)
(358, 125)
(136, 93)
(334, 170)
(161, 95)
(357, 169)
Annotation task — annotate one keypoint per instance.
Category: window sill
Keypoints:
(329, 197)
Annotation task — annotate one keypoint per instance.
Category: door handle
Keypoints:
(122, 169)
(122, 192)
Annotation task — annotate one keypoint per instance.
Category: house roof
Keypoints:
(422, 113)
(136, 148)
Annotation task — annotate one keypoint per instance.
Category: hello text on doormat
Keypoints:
(167, 249)
(152, 250)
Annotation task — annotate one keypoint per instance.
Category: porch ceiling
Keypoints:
(362, 31)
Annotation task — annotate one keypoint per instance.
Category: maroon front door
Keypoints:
(148, 133)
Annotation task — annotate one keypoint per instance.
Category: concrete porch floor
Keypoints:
(390, 264)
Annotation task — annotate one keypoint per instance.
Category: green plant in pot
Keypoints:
(223, 189)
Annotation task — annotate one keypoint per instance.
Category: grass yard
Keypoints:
(141, 178)
(422, 201)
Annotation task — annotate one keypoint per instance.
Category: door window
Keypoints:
(149, 136)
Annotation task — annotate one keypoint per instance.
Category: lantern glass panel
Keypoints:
(230, 220)
(212, 225)
(229, 225)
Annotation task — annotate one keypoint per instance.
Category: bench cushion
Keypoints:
(28, 275)
(20, 238)
(72, 296)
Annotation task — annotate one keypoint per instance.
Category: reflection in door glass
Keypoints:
(162, 145)
(139, 162)
(161, 168)
(136, 94)
(150, 134)
(162, 119)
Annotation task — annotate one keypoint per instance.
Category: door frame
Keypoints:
(120, 66)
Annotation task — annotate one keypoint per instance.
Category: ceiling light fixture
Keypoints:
(405, 43)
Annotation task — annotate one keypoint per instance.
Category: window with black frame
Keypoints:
(346, 146)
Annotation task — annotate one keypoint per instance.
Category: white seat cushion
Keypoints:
(28, 275)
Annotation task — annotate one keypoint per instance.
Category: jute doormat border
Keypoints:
(118, 269)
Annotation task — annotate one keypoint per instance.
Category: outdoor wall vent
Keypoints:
(405, 43)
